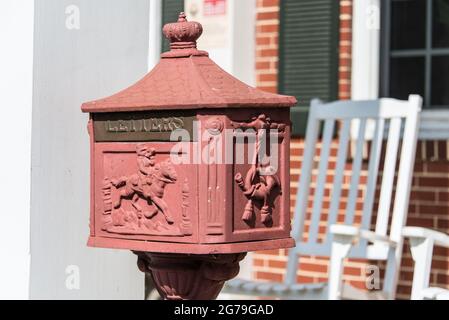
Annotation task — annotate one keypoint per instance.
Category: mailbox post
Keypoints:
(190, 170)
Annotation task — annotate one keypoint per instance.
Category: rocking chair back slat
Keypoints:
(403, 184)
(388, 173)
(373, 170)
(355, 175)
(321, 179)
(302, 193)
(339, 172)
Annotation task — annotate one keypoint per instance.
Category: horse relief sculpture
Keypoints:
(146, 211)
(260, 185)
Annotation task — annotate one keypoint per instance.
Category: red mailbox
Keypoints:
(190, 170)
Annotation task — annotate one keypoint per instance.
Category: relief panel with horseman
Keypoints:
(141, 194)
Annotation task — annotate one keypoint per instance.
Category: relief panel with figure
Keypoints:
(141, 194)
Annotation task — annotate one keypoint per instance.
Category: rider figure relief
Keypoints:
(148, 184)
(145, 164)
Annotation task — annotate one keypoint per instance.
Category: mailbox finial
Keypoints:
(182, 17)
(182, 34)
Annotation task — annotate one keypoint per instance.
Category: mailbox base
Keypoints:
(190, 248)
(189, 276)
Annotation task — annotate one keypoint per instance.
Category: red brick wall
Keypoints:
(267, 32)
(344, 68)
(429, 207)
(429, 204)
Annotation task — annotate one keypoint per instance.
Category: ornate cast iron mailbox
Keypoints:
(177, 174)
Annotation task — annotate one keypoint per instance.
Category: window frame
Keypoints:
(427, 53)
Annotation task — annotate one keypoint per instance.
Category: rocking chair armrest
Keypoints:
(377, 238)
(343, 234)
(356, 233)
(344, 230)
(438, 238)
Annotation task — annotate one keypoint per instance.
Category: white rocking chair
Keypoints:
(350, 240)
(422, 242)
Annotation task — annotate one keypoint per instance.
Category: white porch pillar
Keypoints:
(365, 57)
(16, 83)
(83, 50)
(365, 49)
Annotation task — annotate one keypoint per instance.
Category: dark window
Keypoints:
(440, 81)
(415, 50)
(409, 68)
(440, 24)
(308, 54)
(408, 24)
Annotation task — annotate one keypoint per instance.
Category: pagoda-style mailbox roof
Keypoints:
(186, 78)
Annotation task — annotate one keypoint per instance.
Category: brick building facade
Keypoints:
(429, 202)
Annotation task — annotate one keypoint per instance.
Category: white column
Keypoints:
(84, 50)
(243, 40)
(365, 49)
(16, 83)
(155, 33)
(365, 57)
